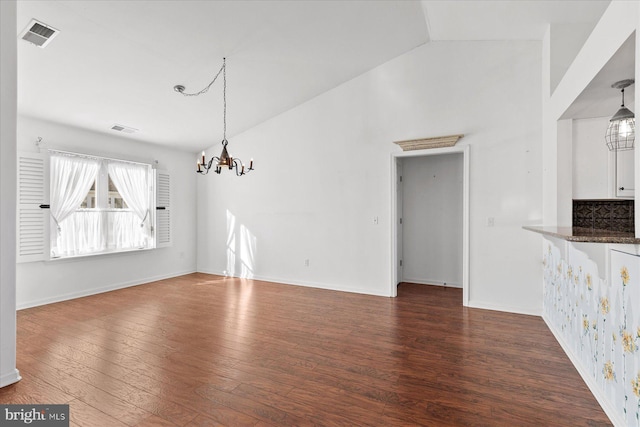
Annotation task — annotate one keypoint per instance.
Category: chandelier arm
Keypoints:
(243, 170)
(235, 164)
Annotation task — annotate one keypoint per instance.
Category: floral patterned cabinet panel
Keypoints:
(622, 365)
(598, 322)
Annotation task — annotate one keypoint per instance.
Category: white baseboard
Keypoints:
(588, 379)
(508, 309)
(305, 284)
(10, 378)
(431, 282)
(95, 291)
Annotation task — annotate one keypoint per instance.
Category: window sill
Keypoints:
(98, 254)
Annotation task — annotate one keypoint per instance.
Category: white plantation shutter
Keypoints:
(163, 209)
(32, 238)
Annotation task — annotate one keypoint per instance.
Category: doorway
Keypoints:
(442, 254)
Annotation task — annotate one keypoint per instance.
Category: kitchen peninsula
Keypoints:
(590, 303)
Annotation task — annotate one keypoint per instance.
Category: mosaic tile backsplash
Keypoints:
(614, 215)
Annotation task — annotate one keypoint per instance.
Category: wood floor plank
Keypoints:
(85, 415)
(204, 350)
(90, 394)
(203, 421)
(32, 390)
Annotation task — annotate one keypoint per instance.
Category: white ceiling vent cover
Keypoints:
(124, 129)
(38, 33)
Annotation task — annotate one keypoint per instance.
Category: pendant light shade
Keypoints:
(621, 132)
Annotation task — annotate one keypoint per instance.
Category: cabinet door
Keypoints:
(624, 173)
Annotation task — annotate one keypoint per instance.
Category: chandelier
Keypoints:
(224, 160)
(621, 132)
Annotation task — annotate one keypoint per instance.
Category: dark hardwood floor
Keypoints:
(202, 350)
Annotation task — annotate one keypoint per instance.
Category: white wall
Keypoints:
(323, 173)
(432, 219)
(591, 159)
(617, 23)
(566, 41)
(43, 282)
(8, 86)
(564, 138)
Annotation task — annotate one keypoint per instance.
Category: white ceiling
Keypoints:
(117, 61)
(598, 99)
(505, 20)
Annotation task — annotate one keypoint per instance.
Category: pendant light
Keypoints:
(621, 133)
(224, 160)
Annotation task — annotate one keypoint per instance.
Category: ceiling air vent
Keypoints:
(38, 33)
(124, 129)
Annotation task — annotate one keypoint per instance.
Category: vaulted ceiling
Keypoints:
(116, 62)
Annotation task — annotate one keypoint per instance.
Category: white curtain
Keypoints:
(125, 231)
(132, 182)
(82, 234)
(71, 180)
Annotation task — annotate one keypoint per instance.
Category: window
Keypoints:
(104, 203)
(99, 205)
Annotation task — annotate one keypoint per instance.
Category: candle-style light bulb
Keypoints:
(203, 160)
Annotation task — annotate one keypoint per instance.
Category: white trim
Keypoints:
(588, 379)
(507, 309)
(10, 378)
(96, 157)
(636, 160)
(464, 149)
(431, 282)
(93, 254)
(466, 179)
(96, 152)
(307, 284)
(95, 291)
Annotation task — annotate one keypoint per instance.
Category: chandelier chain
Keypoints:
(206, 89)
(224, 160)
(224, 99)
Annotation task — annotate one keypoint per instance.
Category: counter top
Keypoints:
(577, 234)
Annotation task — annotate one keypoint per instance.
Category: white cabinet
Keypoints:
(624, 181)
